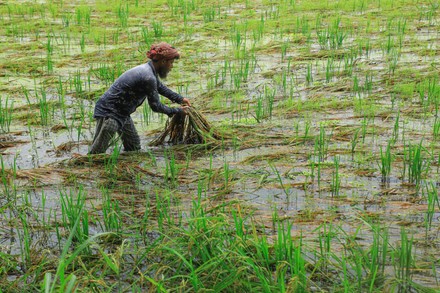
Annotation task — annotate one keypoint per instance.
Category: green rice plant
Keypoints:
(356, 88)
(324, 252)
(303, 27)
(319, 175)
(226, 175)
(436, 128)
(259, 110)
(108, 73)
(147, 37)
(111, 213)
(395, 135)
(349, 61)
(376, 260)
(393, 59)
(24, 239)
(157, 29)
(6, 110)
(331, 37)
(171, 168)
(65, 40)
(432, 201)
(403, 131)
(72, 209)
(401, 26)
(329, 69)
(286, 249)
(321, 144)
(269, 97)
(147, 114)
(336, 180)
(364, 125)
(366, 265)
(429, 12)
(280, 180)
(323, 35)
(309, 74)
(307, 127)
(61, 91)
(78, 84)
(429, 94)
(43, 106)
(355, 140)
(26, 94)
(9, 188)
(386, 160)
(284, 47)
(45, 221)
(83, 14)
(312, 165)
(416, 165)
(388, 46)
(60, 282)
(258, 31)
(82, 43)
(123, 15)
(79, 127)
(210, 13)
(110, 164)
(49, 52)
(65, 19)
(237, 37)
(403, 262)
(368, 84)
(166, 217)
(36, 158)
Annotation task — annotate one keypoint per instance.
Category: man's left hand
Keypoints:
(185, 109)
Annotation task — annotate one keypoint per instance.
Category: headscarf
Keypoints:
(162, 51)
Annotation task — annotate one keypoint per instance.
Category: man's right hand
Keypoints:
(186, 102)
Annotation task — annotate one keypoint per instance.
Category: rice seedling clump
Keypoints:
(189, 128)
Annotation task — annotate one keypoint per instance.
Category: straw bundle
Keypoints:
(192, 128)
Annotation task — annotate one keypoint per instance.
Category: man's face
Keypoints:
(165, 67)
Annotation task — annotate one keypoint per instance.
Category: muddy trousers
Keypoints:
(106, 128)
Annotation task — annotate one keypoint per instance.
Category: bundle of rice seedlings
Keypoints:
(192, 128)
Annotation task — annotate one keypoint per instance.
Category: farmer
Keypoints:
(113, 109)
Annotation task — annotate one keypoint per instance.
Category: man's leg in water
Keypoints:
(130, 137)
(105, 130)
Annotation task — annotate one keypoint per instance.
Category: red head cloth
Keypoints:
(162, 51)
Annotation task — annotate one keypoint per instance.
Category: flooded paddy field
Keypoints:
(325, 180)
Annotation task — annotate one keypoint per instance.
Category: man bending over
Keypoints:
(129, 91)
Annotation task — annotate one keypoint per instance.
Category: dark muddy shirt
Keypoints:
(129, 92)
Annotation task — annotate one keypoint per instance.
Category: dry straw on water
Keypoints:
(192, 128)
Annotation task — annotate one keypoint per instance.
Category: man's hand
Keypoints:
(185, 109)
(186, 102)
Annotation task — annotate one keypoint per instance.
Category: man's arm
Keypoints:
(172, 96)
(157, 106)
